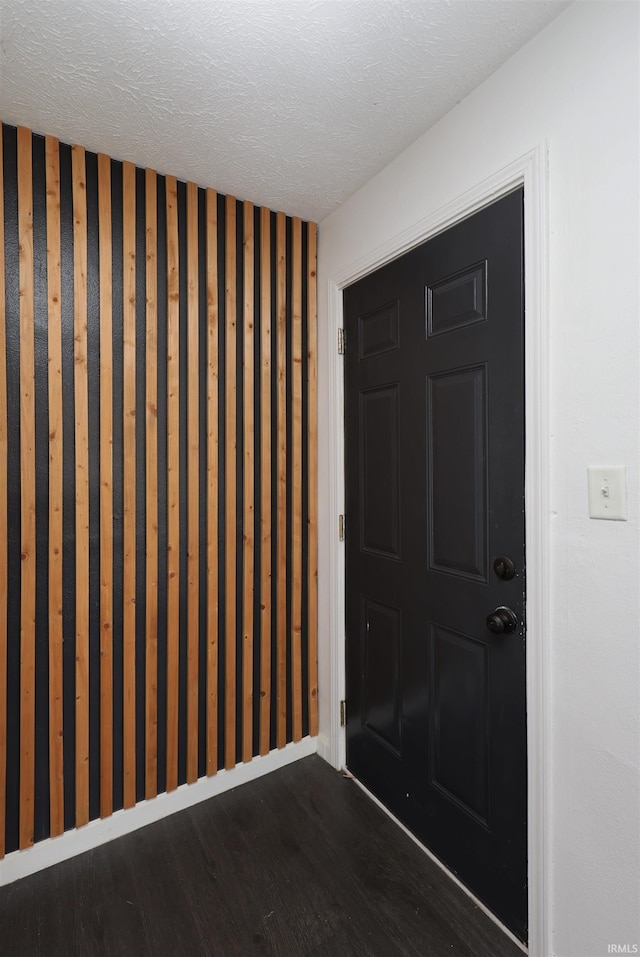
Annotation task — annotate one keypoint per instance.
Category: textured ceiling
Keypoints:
(293, 104)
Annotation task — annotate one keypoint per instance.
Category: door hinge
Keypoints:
(343, 713)
(341, 527)
(342, 342)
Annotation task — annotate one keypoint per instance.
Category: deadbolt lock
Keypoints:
(504, 568)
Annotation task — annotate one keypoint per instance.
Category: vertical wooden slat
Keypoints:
(3, 521)
(265, 479)
(296, 478)
(212, 482)
(129, 483)
(230, 485)
(81, 395)
(193, 453)
(281, 491)
(173, 480)
(312, 438)
(54, 307)
(28, 489)
(106, 486)
(151, 459)
(249, 490)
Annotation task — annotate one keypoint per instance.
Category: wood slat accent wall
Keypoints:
(158, 457)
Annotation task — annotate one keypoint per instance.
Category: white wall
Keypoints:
(577, 86)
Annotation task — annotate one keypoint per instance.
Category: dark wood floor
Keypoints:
(298, 862)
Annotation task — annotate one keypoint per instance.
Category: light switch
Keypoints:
(608, 493)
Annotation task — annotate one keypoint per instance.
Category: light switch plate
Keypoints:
(608, 493)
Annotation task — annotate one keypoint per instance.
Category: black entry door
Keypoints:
(436, 714)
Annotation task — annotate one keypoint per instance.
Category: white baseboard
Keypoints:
(324, 748)
(53, 850)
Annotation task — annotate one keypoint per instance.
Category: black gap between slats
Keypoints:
(222, 312)
(14, 572)
(141, 479)
(202, 482)
(41, 355)
(118, 481)
(274, 484)
(305, 480)
(289, 484)
(239, 471)
(257, 534)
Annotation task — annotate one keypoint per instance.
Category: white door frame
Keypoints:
(530, 171)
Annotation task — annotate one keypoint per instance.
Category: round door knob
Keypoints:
(504, 568)
(502, 621)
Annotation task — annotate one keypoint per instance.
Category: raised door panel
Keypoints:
(459, 731)
(378, 331)
(457, 301)
(379, 479)
(381, 626)
(457, 472)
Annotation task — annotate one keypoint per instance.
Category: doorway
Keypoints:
(435, 565)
